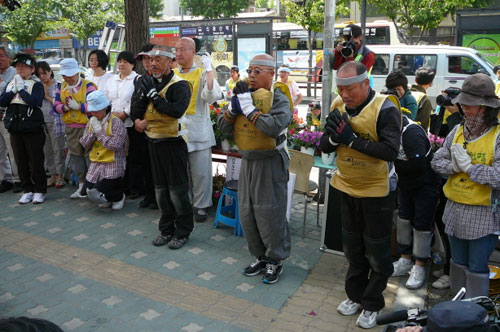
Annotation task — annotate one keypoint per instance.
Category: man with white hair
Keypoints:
(201, 137)
(159, 111)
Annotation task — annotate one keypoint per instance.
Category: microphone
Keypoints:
(392, 317)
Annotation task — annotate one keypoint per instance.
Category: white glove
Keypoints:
(73, 104)
(246, 103)
(206, 62)
(18, 82)
(461, 157)
(95, 124)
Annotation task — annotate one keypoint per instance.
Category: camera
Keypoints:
(445, 99)
(11, 4)
(349, 45)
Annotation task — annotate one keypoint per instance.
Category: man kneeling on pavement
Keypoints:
(105, 135)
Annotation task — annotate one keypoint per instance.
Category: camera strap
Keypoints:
(351, 80)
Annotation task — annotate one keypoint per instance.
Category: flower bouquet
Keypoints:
(436, 142)
(306, 139)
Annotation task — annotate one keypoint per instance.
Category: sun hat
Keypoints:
(23, 58)
(96, 101)
(69, 67)
(478, 89)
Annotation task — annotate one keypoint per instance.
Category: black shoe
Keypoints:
(5, 186)
(18, 187)
(146, 202)
(255, 268)
(200, 217)
(177, 243)
(133, 195)
(273, 272)
(162, 240)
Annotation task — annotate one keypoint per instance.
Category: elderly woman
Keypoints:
(470, 157)
(23, 98)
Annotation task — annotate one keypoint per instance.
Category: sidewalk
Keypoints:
(89, 269)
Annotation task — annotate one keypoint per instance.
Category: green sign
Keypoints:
(486, 44)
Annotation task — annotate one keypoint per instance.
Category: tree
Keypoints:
(214, 8)
(310, 15)
(415, 17)
(26, 24)
(137, 25)
(155, 8)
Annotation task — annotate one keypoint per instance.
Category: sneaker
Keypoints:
(38, 198)
(442, 283)
(105, 205)
(96, 196)
(367, 319)
(18, 187)
(401, 267)
(77, 193)
(161, 240)
(26, 198)
(200, 217)
(118, 205)
(417, 277)
(51, 181)
(438, 273)
(177, 243)
(5, 186)
(348, 307)
(255, 268)
(273, 272)
(60, 182)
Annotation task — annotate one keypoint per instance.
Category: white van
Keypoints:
(452, 64)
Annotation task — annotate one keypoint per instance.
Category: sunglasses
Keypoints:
(256, 71)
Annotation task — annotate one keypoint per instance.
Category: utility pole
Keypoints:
(328, 52)
(363, 21)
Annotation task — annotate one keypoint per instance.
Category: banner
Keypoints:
(486, 44)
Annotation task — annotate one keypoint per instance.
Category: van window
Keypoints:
(409, 63)
(381, 65)
(464, 65)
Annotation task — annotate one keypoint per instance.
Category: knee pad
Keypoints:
(404, 231)
(422, 244)
(378, 253)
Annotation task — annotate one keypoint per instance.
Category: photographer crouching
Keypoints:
(353, 49)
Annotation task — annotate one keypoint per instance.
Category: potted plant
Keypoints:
(307, 141)
(223, 139)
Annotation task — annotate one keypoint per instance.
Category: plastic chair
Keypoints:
(229, 214)
(301, 164)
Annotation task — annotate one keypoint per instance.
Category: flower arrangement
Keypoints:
(436, 141)
(306, 139)
(220, 135)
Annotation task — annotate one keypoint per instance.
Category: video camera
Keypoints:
(10, 4)
(349, 45)
(445, 99)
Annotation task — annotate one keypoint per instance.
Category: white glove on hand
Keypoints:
(73, 104)
(18, 82)
(95, 124)
(246, 103)
(461, 157)
(206, 62)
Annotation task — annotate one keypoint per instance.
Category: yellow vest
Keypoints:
(418, 96)
(75, 116)
(194, 78)
(358, 174)
(99, 153)
(459, 187)
(231, 84)
(497, 89)
(246, 134)
(162, 125)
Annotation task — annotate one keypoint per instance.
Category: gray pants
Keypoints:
(262, 200)
(79, 160)
(8, 167)
(200, 178)
(53, 151)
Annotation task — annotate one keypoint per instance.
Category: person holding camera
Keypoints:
(353, 49)
(470, 157)
(397, 84)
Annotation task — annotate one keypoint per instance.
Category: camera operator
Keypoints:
(353, 49)
(447, 114)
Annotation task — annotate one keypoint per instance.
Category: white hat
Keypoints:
(69, 67)
(96, 101)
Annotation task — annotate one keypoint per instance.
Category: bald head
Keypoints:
(185, 49)
(351, 69)
(261, 71)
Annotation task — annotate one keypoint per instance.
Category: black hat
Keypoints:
(23, 58)
(457, 316)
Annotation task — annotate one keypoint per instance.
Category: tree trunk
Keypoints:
(136, 27)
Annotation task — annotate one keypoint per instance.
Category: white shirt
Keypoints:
(119, 93)
(100, 81)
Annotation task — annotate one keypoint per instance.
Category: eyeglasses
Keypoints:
(256, 71)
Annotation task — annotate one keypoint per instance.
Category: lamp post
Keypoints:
(328, 52)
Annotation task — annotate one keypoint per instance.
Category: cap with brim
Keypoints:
(23, 58)
(478, 90)
(140, 55)
(69, 67)
(97, 101)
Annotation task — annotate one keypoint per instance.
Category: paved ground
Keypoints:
(89, 269)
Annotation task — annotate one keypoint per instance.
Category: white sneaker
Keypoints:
(367, 319)
(348, 307)
(401, 267)
(417, 277)
(77, 193)
(118, 205)
(438, 273)
(26, 198)
(38, 198)
(442, 283)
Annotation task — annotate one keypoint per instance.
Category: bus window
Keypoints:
(464, 65)
(381, 65)
(409, 63)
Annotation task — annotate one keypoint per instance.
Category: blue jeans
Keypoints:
(473, 253)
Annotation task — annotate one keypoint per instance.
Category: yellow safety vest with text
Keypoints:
(194, 78)
(75, 116)
(162, 125)
(99, 153)
(459, 187)
(358, 174)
